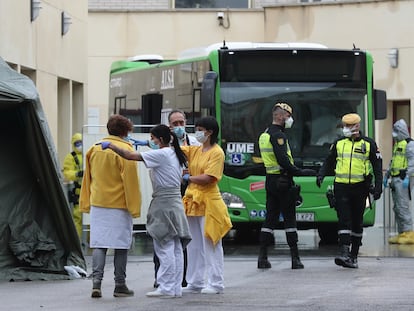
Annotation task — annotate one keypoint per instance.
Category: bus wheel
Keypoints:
(328, 233)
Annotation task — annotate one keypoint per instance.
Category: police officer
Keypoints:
(353, 159)
(281, 192)
(73, 171)
(400, 170)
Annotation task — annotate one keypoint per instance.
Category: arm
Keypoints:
(376, 161)
(126, 154)
(279, 143)
(202, 179)
(410, 158)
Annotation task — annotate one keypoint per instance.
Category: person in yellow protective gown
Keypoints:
(73, 171)
(206, 211)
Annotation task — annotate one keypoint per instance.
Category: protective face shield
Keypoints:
(153, 145)
(288, 122)
(179, 131)
(200, 136)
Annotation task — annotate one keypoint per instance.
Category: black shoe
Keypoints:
(263, 264)
(340, 261)
(297, 264)
(351, 262)
(96, 290)
(123, 291)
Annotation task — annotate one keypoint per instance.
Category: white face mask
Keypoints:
(288, 123)
(394, 134)
(347, 132)
(201, 138)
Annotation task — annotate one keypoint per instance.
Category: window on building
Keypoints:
(205, 4)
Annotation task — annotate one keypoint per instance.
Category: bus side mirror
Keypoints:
(380, 104)
(208, 90)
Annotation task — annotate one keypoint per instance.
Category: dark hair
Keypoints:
(163, 132)
(119, 125)
(210, 124)
(176, 111)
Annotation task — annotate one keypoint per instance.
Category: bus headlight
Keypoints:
(232, 201)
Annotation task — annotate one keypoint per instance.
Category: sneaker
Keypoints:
(191, 290)
(210, 291)
(123, 291)
(158, 294)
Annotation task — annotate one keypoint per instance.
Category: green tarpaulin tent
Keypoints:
(37, 234)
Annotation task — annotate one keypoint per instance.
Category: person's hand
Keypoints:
(79, 173)
(186, 177)
(307, 172)
(406, 182)
(376, 192)
(385, 182)
(105, 144)
(138, 142)
(319, 181)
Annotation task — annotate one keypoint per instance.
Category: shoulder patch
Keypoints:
(281, 141)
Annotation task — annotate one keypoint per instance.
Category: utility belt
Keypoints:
(402, 174)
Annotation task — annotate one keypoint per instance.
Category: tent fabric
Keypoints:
(37, 234)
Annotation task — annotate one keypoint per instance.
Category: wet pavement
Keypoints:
(383, 281)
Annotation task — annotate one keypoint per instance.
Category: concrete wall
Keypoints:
(54, 62)
(376, 26)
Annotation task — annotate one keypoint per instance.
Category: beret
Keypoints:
(351, 118)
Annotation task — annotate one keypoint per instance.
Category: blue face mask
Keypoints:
(179, 131)
(153, 145)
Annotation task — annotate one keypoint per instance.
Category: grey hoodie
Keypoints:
(401, 130)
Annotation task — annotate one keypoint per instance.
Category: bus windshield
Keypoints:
(317, 112)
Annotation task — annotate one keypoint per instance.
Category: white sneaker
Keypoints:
(210, 290)
(158, 294)
(191, 290)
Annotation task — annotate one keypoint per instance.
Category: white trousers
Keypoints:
(204, 260)
(170, 272)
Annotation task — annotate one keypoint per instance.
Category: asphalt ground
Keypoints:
(383, 282)
(380, 283)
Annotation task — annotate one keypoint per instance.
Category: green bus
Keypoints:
(238, 83)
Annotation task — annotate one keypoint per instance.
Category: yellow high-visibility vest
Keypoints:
(399, 159)
(352, 162)
(268, 156)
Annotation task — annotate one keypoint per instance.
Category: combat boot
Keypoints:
(351, 262)
(96, 289)
(296, 263)
(343, 255)
(262, 262)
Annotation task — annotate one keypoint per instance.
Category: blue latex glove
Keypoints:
(186, 177)
(385, 182)
(105, 144)
(137, 142)
(406, 182)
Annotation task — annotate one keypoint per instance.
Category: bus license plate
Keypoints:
(309, 217)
